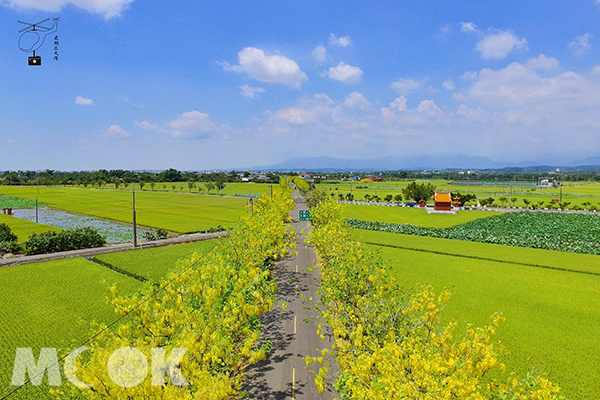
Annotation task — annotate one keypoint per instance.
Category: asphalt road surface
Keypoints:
(284, 375)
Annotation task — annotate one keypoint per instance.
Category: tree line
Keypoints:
(121, 177)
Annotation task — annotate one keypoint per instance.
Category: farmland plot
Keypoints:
(176, 212)
(576, 233)
(52, 305)
(552, 316)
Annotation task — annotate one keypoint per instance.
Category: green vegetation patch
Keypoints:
(23, 228)
(155, 263)
(52, 304)
(585, 263)
(17, 202)
(175, 212)
(552, 317)
(413, 216)
(576, 233)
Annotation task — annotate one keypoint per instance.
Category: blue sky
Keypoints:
(231, 84)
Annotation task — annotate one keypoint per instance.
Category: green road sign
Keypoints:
(304, 215)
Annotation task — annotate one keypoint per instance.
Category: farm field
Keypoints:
(63, 298)
(551, 259)
(155, 263)
(552, 316)
(576, 233)
(23, 228)
(574, 192)
(231, 188)
(547, 198)
(176, 212)
(413, 216)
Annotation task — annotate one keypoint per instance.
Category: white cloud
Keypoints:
(405, 86)
(115, 131)
(339, 41)
(108, 8)
(191, 123)
(250, 91)
(542, 62)
(270, 69)
(499, 45)
(494, 43)
(562, 101)
(429, 106)
(310, 113)
(469, 76)
(448, 85)
(357, 101)
(521, 112)
(322, 97)
(468, 27)
(147, 125)
(319, 53)
(581, 44)
(399, 104)
(344, 73)
(82, 101)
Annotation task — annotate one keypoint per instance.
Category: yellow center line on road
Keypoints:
(293, 383)
(295, 318)
(296, 269)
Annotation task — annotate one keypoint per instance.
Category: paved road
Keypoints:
(283, 375)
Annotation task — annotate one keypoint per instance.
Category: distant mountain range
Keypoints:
(434, 162)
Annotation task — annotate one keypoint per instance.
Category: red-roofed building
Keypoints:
(442, 201)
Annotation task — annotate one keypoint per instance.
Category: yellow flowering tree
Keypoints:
(389, 342)
(204, 318)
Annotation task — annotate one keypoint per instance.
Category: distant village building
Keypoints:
(442, 201)
(547, 182)
(371, 179)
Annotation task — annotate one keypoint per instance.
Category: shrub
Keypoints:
(10, 247)
(158, 234)
(51, 242)
(6, 234)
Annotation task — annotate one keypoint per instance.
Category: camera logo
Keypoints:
(33, 37)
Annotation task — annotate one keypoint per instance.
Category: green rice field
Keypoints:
(551, 300)
(155, 263)
(412, 215)
(23, 228)
(52, 305)
(64, 297)
(176, 212)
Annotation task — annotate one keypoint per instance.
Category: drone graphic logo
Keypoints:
(34, 36)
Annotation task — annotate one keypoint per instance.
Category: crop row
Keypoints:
(576, 233)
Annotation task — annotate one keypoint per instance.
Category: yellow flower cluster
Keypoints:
(211, 307)
(389, 342)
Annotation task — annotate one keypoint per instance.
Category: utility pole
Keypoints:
(560, 183)
(271, 190)
(134, 221)
(251, 206)
(36, 210)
